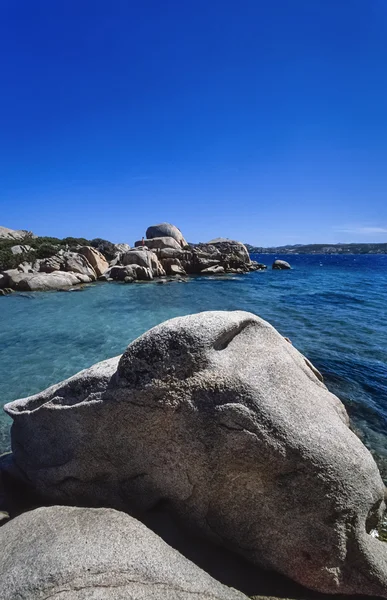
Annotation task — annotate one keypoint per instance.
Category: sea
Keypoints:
(332, 307)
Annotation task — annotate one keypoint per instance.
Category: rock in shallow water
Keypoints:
(281, 265)
(100, 554)
(219, 417)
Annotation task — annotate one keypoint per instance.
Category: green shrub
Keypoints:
(46, 250)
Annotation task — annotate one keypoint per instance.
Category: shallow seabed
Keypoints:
(333, 308)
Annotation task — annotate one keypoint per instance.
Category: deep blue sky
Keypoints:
(264, 121)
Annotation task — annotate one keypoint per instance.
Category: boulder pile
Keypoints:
(255, 456)
(163, 253)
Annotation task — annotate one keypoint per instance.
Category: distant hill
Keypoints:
(321, 249)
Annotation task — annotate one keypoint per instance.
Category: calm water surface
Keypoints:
(333, 308)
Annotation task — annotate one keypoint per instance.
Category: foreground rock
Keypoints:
(281, 265)
(79, 554)
(255, 455)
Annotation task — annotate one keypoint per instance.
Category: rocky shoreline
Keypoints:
(212, 432)
(164, 253)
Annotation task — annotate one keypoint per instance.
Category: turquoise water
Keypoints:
(333, 308)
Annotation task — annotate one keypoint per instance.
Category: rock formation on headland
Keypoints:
(255, 455)
(164, 252)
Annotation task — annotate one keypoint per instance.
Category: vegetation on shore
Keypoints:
(39, 247)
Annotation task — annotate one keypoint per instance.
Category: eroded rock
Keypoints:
(79, 554)
(220, 418)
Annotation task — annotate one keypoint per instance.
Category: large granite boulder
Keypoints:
(173, 266)
(39, 282)
(166, 230)
(101, 554)
(95, 258)
(121, 248)
(254, 454)
(232, 250)
(159, 243)
(144, 258)
(67, 261)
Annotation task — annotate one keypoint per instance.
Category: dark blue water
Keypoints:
(333, 308)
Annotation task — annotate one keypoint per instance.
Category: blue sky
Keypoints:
(264, 121)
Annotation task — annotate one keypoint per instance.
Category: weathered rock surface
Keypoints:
(82, 554)
(232, 247)
(255, 454)
(69, 262)
(122, 248)
(38, 282)
(20, 249)
(281, 265)
(144, 258)
(173, 266)
(159, 243)
(166, 230)
(95, 258)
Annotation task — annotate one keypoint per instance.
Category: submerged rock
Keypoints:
(80, 553)
(220, 418)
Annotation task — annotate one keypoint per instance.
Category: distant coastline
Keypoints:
(353, 248)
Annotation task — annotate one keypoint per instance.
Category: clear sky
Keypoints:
(264, 121)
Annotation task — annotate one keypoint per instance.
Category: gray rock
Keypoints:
(100, 554)
(220, 418)
(51, 264)
(37, 282)
(166, 230)
(3, 281)
(78, 263)
(135, 272)
(95, 258)
(144, 258)
(173, 266)
(232, 248)
(174, 253)
(159, 243)
(69, 262)
(281, 265)
(215, 270)
(122, 248)
(20, 249)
